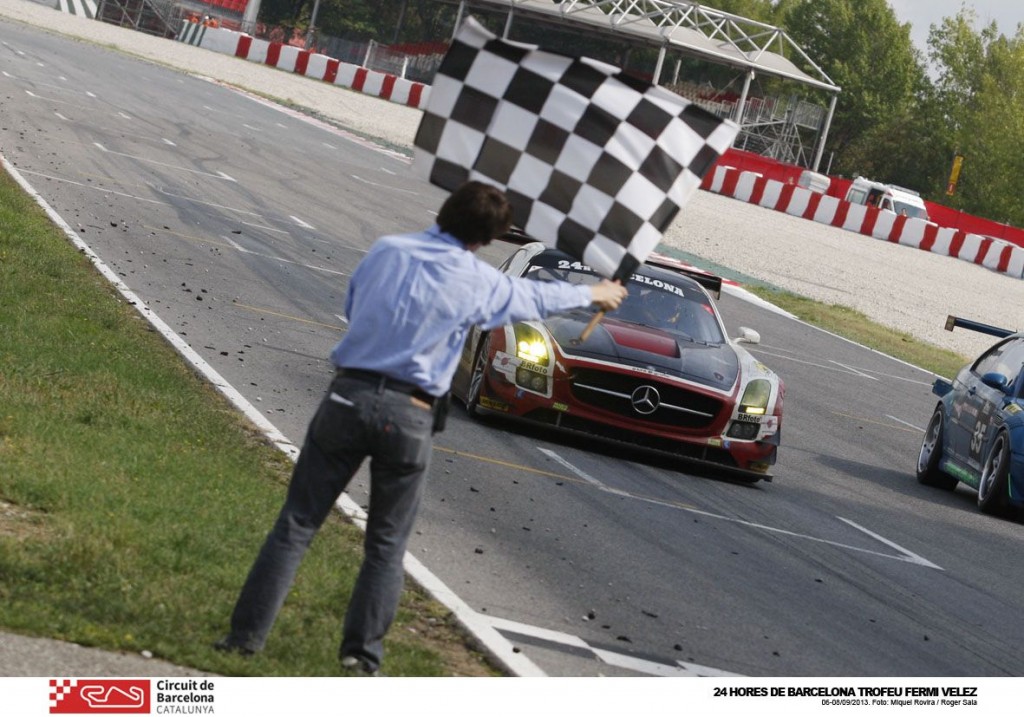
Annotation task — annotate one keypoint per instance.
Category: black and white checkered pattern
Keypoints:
(593, 161)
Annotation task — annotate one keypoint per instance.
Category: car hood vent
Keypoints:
(714, 365)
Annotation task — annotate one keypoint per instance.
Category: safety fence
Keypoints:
(291, 58)
(995, 254)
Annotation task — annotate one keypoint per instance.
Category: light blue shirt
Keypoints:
(414, 297)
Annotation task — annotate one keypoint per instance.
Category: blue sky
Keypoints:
(923, 13)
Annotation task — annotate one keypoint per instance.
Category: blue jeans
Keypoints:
(355, 420)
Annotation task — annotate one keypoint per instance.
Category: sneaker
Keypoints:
(354, 667)
(226, 645)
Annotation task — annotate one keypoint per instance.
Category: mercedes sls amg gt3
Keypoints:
(659, 373)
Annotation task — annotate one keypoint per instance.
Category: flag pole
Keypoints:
(594, 321)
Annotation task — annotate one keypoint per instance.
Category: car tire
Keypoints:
(928, 472)
(476, 378)
(992, 487)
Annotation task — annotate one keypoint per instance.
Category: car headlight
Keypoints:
(530, 345)
(755, 397)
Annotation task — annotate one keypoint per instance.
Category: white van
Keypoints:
(887, 197)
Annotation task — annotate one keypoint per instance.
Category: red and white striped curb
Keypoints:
(302, 62)
(995, 254)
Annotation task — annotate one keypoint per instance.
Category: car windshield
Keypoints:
(680, 309)
(909, 210)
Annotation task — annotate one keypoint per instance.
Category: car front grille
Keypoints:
(623, 394)
(572, 424)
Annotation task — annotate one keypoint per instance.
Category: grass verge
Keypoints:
(133, 497)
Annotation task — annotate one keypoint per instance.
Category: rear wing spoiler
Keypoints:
(953, 322)
(709, 281)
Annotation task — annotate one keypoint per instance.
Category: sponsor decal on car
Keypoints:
(657, 283)
(505, 364)
(530, 366)
(490, 403)
(748, 418)
(560, 406)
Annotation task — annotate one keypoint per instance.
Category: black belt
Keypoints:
(386, 382)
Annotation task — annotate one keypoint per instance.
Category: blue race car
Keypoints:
(976, 435)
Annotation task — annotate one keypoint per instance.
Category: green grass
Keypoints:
(133, 497)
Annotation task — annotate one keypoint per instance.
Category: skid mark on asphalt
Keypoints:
(582, 478)
(278, 314)
(230, 243)
(176, 167)
(909, 428)
(136, 197)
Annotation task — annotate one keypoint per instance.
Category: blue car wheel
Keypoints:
(928, 472)
(992, 488)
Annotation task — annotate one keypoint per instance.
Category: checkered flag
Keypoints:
(594, 162)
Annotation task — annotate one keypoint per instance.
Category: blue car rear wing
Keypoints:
(953, 322)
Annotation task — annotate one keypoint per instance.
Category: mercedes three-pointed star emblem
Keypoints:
(645, 400)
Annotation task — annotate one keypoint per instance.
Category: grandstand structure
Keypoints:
(788, 128)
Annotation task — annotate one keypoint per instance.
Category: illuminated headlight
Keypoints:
(530, 345)
(532, 351)
(755, 397)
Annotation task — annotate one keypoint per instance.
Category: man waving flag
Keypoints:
(594, 162)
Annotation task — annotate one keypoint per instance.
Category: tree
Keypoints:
(760, 10)
(911, 148)
(865, 50)
(960, 54)
(991, 136)
(980, 93)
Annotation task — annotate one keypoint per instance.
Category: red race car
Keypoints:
(659, 373)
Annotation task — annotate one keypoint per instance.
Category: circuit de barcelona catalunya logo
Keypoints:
(104, 697)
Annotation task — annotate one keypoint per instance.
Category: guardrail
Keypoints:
(995, 254)
(303, 62)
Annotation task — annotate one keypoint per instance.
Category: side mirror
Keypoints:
(748, 336)
(996, 380)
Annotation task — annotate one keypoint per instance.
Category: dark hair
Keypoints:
(475, 213)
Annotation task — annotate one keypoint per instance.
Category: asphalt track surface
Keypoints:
(238, 224)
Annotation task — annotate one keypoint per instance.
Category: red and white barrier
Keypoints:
(994, 254)
(302, 62)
